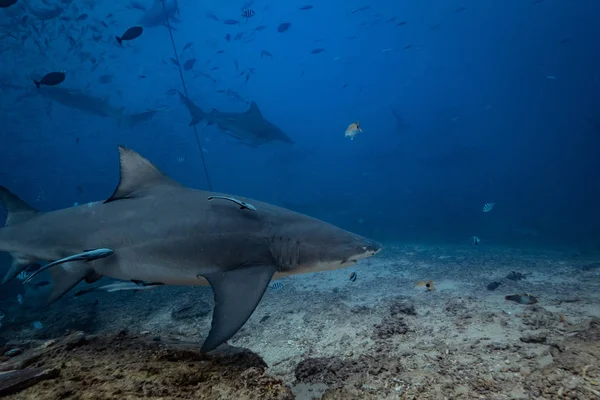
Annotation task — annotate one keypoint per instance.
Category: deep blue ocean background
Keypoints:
(500, 102)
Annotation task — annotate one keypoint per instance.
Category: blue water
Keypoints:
(498, 98)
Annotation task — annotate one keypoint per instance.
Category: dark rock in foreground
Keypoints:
(123, 366)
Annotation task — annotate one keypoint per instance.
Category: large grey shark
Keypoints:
(154, 230)
(155, 15)
(84, 102)
(249, 127)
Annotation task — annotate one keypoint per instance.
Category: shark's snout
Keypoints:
(372, 247)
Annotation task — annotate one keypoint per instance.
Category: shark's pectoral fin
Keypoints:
(19, 264)
(237, 293)
(18, 212)
(66, 276)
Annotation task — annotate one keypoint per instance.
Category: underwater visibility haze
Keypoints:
(342, 199)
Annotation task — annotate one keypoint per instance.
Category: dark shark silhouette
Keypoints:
(155, 15)
(82, 101)
(249, 127)
(401, 124)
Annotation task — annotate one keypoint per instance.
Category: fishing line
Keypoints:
(186, 93)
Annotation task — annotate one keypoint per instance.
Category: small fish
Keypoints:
(353, 277)
(276, 285)
(360, 9)
(487, 207)
(239, 36)
(189, 64)
(317, 51)
(284, 26)
(353, 130)
(243, 205)
(552, 77)
(138, 6)
(120, 287)
(41, 284)
(130, 34)
(265, 318)
(493, 285)
(426, 284)
(476, 240)
(385, 50)
(7, 3)
(20, 298)
(22, 276)
(260, 27)
(265, 53)
(50, 79)
(306, 7)
(82, 17)
(248, 13)
(37, 325)
(187, 46)
(231, 22)
(228, 37)
(13, 352)
(401, 23)
(516, 276)
(522, 299)
(212, 16)
(105, 78)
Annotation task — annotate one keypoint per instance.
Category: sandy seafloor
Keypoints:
(323, 336)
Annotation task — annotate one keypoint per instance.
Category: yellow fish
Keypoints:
(353, 130)
(427, 284)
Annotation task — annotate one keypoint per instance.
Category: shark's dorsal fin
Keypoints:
(138, 176)
(254, 109)
(18, 210)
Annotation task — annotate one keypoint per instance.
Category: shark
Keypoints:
(401, 124)
(155, 15)
(249, 127)
(82, 101)
(152, 229)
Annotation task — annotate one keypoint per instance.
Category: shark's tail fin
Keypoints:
(18, 211)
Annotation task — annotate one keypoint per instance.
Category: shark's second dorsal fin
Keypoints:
(254, 109)
(138, 176)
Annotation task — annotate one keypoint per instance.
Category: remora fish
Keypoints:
(163, 232)
(81, 101)
(119, 287)
(155, 16)
(249, 127)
